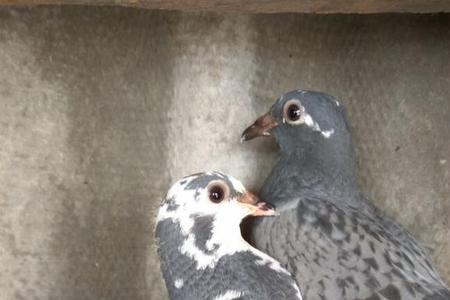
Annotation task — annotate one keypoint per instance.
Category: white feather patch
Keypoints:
(315, 126)
(225, 236)
(299, 294)
(179, 283)
(327, 133)
(229, 295)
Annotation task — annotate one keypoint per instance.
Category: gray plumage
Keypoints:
(335, 243)
(202, 253)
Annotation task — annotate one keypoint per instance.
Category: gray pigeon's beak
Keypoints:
(260, 127)
(255, 206)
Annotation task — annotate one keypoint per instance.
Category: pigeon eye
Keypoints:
(216, 194)
(293, 112)
(217, 191)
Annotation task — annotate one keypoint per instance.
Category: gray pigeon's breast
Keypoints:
(343, 254)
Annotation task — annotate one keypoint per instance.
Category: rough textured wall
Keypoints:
(102, 108)
(266, 6)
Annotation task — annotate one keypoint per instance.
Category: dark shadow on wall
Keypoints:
(114, 66)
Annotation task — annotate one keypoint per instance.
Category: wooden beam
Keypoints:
(264, 6)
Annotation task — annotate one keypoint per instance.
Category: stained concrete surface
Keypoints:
(101, 108)
(266, 6)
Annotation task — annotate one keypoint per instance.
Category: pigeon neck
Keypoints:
(188, 275)
(227, 235)
(325, 169)
(186, 260)
(204, 239)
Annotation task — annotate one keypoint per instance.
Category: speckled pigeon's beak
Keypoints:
(255, 206)
(260, 127)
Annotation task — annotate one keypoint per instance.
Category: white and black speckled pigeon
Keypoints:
(203, 255)
(334, 242)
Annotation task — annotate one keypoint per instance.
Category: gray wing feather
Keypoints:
(340, 253)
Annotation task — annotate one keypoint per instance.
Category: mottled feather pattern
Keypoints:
(203, 255)
(328, 235)
(346, 254)
(238, 272)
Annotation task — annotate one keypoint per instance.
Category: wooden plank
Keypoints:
(264, 6)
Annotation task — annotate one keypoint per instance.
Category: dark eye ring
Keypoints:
(217, 191)
(293, 112)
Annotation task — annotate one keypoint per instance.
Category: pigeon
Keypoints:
(328, 235)
(203, 255)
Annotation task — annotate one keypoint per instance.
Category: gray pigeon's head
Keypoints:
(302, 118)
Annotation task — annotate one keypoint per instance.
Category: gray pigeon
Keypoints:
(335, 243)
(203, 255)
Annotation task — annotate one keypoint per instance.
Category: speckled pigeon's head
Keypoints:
(202, 252)
(203, 212)
(211, 194)
(302, 118)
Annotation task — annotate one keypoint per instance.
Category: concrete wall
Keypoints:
(266, 6)
(101, 108)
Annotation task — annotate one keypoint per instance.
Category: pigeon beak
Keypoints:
(255, 206)
(260, 127)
